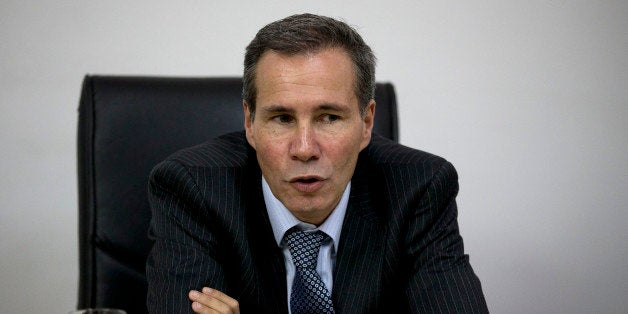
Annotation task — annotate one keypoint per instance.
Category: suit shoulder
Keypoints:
(384, 151)
(229, 150)
(396, 178)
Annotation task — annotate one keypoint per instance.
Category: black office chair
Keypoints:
(126, 126)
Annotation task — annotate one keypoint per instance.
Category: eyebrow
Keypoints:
(277, 109)
(331, 107)
(324, 106)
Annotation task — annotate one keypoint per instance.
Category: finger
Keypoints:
(206, 303)
(197, 306)
(201, 309)
(202, 303)
(231, 302)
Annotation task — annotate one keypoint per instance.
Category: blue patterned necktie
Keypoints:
(309, 294)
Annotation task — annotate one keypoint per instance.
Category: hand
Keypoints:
(213, 301)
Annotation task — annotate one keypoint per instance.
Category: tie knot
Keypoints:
(304, 246)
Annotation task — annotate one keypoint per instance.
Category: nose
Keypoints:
(305, 146)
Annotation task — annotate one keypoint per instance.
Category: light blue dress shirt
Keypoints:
(281, 219)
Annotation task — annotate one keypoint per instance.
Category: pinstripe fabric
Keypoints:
(400, 250)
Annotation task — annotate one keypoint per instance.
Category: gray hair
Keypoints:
(309, 33)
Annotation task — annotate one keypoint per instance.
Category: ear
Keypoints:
(248, 124)
(368, 119)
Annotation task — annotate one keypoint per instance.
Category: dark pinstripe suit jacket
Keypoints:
(400, 250)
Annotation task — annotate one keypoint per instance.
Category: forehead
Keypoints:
(329, 72)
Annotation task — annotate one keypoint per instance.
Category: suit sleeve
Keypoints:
(184, 251)
(442, 280)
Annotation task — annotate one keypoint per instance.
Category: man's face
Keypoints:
(307, 129)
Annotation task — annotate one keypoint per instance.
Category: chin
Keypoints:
(305, 207)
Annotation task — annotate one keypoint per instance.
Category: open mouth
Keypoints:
(308, 180)
(307, 184)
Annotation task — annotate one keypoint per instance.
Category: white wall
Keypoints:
(526, 98)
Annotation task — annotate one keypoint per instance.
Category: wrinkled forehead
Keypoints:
(328, 69)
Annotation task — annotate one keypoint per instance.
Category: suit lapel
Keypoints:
(357, 273)
(266, 256)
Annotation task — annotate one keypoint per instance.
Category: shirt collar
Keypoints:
(281, 219)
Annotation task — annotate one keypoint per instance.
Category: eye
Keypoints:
(283, 118)
(329, 118)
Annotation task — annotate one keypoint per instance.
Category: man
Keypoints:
(307, 211)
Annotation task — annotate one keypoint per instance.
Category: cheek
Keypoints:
(344, 155)
(270, 155)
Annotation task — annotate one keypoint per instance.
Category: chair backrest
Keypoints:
(126, 126)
